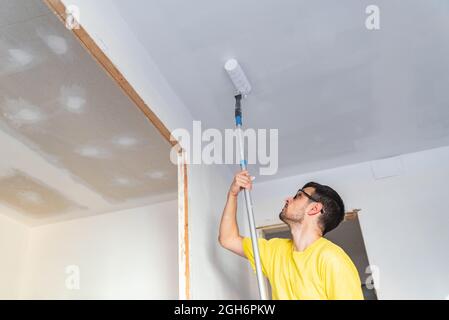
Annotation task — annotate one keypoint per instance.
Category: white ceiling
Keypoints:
(337, 92)
(73, 144)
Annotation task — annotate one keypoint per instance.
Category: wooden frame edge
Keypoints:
(183, 229)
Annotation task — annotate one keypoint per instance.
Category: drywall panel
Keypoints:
(30, 9)
(78, 118)
(32, 197)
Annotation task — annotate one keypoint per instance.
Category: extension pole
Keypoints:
(248, 201)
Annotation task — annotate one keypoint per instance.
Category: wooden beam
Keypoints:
(186, 229)
(89, 44)
(183, 229)
(352, 215)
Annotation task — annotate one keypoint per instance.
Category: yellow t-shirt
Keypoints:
(322, 271)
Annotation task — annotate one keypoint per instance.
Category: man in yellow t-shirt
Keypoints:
(308, 266)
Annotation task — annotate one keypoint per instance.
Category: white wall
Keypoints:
(215, 272)
(404, 219)
(13, 242)
(131, 254)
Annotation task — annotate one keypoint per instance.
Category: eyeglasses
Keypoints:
(307, 195)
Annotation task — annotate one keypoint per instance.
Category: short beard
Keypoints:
(282, 218)
(290, 221)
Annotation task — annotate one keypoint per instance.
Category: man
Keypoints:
(309, 266)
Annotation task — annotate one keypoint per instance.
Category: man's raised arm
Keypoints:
(229, 236)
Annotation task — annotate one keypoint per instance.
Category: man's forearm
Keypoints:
(229, 235)
(228, 226)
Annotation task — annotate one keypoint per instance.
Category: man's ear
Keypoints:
(315, 208)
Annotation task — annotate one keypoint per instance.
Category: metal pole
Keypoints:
(249, 203)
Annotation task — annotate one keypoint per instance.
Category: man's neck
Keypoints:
(304, 235)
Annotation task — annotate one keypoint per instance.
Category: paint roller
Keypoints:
(243, 87)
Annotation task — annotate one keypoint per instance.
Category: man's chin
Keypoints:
(281, 216)
(288, 221)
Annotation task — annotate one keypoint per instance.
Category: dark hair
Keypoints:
(334, 208)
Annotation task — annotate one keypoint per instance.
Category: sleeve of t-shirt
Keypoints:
(342, 281)
(264, 251)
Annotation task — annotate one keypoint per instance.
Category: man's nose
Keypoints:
(288, 199)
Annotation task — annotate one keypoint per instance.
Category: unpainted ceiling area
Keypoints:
(58, 105)
(337, 92)
(28, 195)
